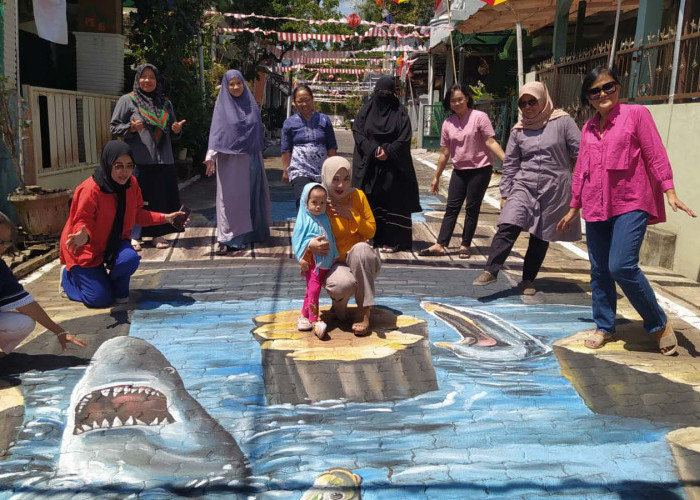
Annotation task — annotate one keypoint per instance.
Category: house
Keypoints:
(68, 91)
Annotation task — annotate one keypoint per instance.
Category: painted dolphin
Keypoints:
(131, 420)
(485, 336)
(335, 484)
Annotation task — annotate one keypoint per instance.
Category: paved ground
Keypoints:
(204, 388)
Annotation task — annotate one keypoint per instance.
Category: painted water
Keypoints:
(491, 430)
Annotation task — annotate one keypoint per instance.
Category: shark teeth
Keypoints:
(107, 408)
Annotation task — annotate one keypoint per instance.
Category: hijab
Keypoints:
(236, 125)
(103, 178)
(151, 105)
(538, 90)
(308, 226)
(330, 169)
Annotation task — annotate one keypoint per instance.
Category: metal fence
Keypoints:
(644, 69)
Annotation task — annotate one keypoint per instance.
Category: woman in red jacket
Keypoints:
(95, 244)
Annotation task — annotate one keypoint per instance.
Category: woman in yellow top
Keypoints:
(353, 225)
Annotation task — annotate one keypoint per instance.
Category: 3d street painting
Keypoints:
(448, 398)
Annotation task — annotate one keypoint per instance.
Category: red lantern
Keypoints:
(330, 77)
(354, 20)
(339, 80)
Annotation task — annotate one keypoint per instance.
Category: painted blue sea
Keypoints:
(491, 430)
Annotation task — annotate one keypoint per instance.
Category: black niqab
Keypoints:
(103, 178)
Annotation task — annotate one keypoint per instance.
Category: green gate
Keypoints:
(433, 116)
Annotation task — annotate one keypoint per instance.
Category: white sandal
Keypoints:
(304, 325)
(320, 328)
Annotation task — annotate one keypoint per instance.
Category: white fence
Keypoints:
(67, 129)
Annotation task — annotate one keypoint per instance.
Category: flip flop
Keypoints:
(393, 249)
(668, 343)
(464, 253)
(597, 340)
(427, 252)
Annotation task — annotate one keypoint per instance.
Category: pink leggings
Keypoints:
(314, 283)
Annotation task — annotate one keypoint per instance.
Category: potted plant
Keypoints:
(39, 210)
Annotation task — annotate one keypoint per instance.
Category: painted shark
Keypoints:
(485, 336)
(131, 420)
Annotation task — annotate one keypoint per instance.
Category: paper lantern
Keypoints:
(330, 77)
(354, 20)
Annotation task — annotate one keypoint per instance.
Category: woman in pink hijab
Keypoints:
(535, 186)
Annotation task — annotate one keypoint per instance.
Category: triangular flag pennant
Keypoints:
(440, 7)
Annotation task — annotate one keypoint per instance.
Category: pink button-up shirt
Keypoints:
(467, 138)
(624, 169)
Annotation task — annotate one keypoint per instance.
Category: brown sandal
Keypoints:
(597, 340)
(668, 343)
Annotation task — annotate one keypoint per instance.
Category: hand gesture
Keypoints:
(565, 222)
(211, 167)
(304, 266)
(285, 176)
(675, 203)
(503, 203)
(340, 210)
(170, 218)
(66, 338)
(382, 154)
(136, 125)
(319, 245)
(176, 127)
(77, 240)
(435, 185)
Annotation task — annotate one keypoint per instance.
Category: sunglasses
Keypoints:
(594, 93)
(524, 104)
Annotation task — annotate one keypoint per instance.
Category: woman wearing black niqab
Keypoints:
(382, 166)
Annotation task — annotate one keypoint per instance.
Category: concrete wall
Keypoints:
(679, 126)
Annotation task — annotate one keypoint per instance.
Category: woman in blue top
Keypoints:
(307, 140)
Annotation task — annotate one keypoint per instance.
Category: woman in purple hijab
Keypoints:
(235, 154)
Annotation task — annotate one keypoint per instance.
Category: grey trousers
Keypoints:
(355, 277)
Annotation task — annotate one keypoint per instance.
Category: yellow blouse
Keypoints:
(361, 227)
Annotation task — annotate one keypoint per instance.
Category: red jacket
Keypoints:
(95, 210)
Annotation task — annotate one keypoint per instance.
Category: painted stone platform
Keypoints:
(685, 445)
(393, 362)
(628, 377)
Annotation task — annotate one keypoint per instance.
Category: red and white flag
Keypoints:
(440, 7)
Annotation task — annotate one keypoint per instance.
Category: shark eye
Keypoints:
(169, 369)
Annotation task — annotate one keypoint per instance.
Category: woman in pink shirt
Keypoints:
(467, 137)
(620, 178)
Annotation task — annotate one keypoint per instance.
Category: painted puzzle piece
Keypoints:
(485, 336)
(393, 362)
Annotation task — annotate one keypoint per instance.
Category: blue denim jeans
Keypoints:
(613, 247)
(94, 286)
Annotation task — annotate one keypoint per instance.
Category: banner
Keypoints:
(326, 37)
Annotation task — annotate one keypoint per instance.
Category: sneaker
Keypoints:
(304, 325)
(221, 249)
(320, 328)
(526, 288)
(484, 278)
(121, 300)
(136, 245)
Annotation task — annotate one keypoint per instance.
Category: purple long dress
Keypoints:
(536, 179)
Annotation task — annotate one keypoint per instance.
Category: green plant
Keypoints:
(9, 131)
(169, 38)
(480, 93)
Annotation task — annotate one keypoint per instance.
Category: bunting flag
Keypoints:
(343, 71)
(343, 21)
(440, 7)
(393, 32)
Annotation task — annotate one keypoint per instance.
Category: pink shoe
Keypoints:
(320, 328)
